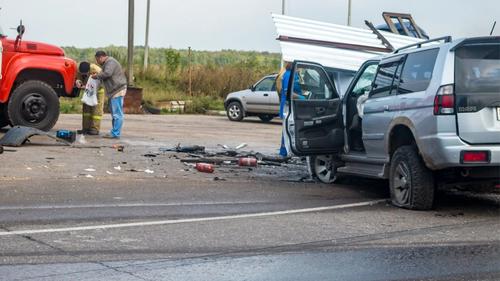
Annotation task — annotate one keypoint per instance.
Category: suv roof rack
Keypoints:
(446, 39)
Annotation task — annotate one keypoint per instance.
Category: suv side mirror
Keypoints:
(252, 88)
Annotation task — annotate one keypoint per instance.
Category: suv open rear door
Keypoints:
(314, 120)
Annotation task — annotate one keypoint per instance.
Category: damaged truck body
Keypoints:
(33, 77)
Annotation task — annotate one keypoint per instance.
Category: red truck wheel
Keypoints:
(4, 120)
(34, 104)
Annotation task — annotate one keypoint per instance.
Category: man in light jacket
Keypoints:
(115, 84)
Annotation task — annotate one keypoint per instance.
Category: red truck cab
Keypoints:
(33, 77)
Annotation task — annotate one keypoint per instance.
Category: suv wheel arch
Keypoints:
(399, 135)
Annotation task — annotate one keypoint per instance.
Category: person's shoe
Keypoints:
(110, 136)
(92, 132)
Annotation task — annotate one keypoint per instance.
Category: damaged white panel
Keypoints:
(330, 57)
(316, 30)
(358, 44)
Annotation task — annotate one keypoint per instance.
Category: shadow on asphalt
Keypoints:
(452, 203)
(467, 201)
(274, 122)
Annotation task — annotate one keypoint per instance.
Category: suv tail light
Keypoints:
(444, 102)
(475, 157)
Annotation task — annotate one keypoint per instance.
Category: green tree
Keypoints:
(172, 60)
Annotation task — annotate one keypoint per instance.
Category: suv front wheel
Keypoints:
(235, 111)
(411, 182)
(323, 168)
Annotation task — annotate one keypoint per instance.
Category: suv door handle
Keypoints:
(266, 95)
(320, 110)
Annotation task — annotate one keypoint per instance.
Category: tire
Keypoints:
(4, 120)
(411, 182)
(235, 111)
(322, 168)
(266, 118)
(34, 104)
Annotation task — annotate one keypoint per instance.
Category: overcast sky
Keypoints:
(226, 24)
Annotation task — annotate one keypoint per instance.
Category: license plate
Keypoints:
(498, 113)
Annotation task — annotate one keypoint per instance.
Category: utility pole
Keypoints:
(349, 12)
(130, 56)
(190, 73)
(146, 44)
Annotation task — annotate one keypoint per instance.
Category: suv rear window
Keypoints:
(477, 69)
(417, 71)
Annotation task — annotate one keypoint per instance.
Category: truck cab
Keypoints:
(33, 77)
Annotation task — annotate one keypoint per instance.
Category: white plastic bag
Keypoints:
(90, 94)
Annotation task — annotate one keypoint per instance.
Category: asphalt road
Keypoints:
(68, 214)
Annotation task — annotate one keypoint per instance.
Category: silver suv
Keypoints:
(259, 100)
(431, 119)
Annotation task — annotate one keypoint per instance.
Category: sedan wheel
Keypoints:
(235, 111)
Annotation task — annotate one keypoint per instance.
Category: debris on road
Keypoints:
(247, 161)
(233, 160)
(217, 161)
(205, 168)
(241, 146)
(67, 135)
(118, 147)
(19, 135)
(185, 149)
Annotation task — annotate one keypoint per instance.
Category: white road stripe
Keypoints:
(125, 205)
(165, 222)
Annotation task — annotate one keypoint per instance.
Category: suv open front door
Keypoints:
(314, 120)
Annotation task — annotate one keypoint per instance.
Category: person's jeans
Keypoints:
(116, 109)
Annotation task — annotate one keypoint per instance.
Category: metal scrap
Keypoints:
(19, 135)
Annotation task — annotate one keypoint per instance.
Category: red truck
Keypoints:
(33, 77)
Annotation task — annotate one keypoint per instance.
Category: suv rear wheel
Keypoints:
(411, 182)
(34, 104)
(235, 111)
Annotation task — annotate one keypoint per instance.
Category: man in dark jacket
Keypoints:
(115, 84)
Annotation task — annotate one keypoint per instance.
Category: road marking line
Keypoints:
(126, 205)
(166, 222)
